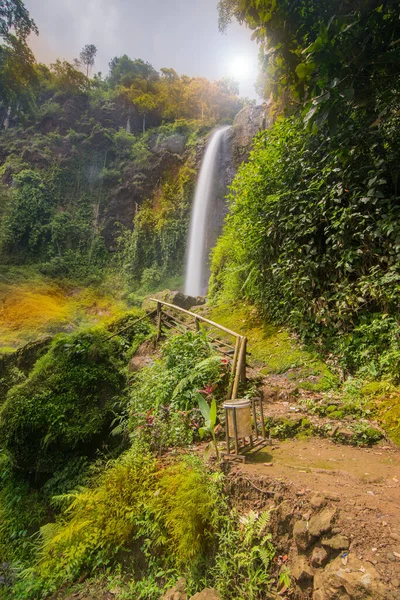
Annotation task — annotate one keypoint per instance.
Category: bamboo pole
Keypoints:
(234, 373)
(159, 316)
(239, 368)
(220, 327)
(242, 360)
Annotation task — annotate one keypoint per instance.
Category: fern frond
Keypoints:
(198, 370)
(263, 521)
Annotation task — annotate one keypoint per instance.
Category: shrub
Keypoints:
(163, 404)
(313, 236)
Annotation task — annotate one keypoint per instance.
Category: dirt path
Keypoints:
(362, 484)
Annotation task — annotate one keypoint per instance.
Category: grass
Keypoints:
(32, 306)
(273, 347)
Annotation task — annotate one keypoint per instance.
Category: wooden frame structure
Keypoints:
(235, 351)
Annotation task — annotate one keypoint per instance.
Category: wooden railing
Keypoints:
(234, 352)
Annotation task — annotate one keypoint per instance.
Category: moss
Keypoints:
(275, 348)
(388, 412)
(65, 407)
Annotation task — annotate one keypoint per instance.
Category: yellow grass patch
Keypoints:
(31, 309)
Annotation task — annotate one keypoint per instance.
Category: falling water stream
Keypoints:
(198, 246)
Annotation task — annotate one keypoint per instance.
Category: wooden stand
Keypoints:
(241, 447)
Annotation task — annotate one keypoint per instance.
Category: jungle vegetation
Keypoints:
(95, 482)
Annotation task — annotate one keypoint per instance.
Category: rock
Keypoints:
(355, 581)
(207, 594)
(138, 362)
(178, 592)
(318, 501)
(319, 556)
(337, 542)
(173, 297)
(321, 522)
(396, 583)
(390, 556)
(300, 535)
(301, 570)
(247, 123)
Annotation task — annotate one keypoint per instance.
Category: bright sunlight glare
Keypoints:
(240, 68)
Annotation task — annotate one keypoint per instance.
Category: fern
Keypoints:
(204, 367)
(263, 521)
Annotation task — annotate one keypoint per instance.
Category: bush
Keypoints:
(313, 236)
(64, 408)
(163, 404)
(162, 518)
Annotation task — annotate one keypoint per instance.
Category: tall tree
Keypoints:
(14, 16)
(87, 57)
(16, 60)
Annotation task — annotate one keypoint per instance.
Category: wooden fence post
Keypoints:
(233, 370)
(159, 308)
(242, 365)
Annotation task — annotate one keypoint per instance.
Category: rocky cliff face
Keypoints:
(248, 122)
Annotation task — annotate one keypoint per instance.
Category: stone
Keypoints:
(390, 556)
(354, 581)
(207, 594)
(173, 297)
(337, 542)
(247, 123)
(178, 592)
(301, 570)
(396, 583)
(318, 501)
(319, 556)
(321, 522)
(300, 535)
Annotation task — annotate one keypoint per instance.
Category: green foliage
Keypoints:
(312, 238)
(320, 53)
(168, 516)
(184, 514)
(209, 414)
(100, 522)
(163, 403)
(22, 510)
(158, 239)
(245, 553)
(64, 408)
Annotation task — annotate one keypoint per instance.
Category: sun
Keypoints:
(240, 68)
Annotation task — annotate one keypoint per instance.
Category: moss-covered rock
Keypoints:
(65, 407)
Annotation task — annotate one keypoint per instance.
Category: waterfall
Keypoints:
(199, 245)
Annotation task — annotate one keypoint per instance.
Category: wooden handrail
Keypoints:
(238, 371)
(198, 317)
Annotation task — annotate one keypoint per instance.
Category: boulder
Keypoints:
(354, 581)
(319, 556)
(300, 535)
(337, 542)
(178, 592)
(318, 501)
(301, 570)
(207, 594)
(321, 522)
(173, 297)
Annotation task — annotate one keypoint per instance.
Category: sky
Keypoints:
(181, 34)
